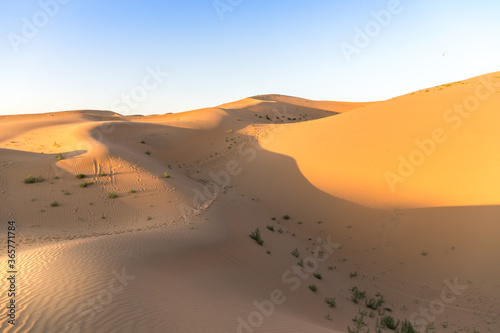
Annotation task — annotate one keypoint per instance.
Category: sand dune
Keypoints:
(396, 197)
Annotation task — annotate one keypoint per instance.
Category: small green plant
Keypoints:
(103, 217)
(407, 327)
(353, 274)
(86, 184)
(286, 217)
(301, 263)
(148, 153)
(143, 142)
(102, 174)
(328, 317)
(56, 177)
(280, 230)
(255, 235)
(112, 195)
(313, 287)
(131, 191)
(59, 157)
(318, 276)
(296, 253)
(273, 218)
(270, 227)
(357, 295)
(424, 253)
(66, 192)
(330, 268)
(373, 303)
(389, 322)
(330, 301)
(149, 217)
(268, 251)
(30, 179)
(54, 203)
(80, 176)
(166, 175)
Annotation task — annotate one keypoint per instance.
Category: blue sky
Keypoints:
(93, 54)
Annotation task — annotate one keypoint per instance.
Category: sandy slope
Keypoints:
(180, 245)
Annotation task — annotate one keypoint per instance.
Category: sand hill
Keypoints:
(142, 223)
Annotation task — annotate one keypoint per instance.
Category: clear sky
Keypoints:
(99, 54)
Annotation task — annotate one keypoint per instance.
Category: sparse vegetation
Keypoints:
(112, 195)
(80, 176)
(313, 287)
(255, 235)
(268, 251)
(86, 184)
(56, 177)
(407, 327)
(357, 295)
(301, 263)
(373, 303)
(149, 217)
(102, 174)
(389, 322)
(30, 179)
(353, 274)
(54, 203)
(296, 253)
(286, 217)
(148, 153)
(330, 301)
(318, 276)
(60, 157)
(424, 253)
(270, 227)
(131, 191)
(143, 142)
(166, 175)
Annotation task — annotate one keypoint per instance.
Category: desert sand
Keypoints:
(398, 198)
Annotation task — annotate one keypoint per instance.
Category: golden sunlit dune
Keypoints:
(142, 223)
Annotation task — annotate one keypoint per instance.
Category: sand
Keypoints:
(397, 197)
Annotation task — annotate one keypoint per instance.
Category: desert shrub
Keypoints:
(166, 175)
(80, 176)
(313, 287)
(148, 153)
(270, 227)
(407, 327)
(255, 235)
(353, 274)
(30, 179)
(330, 301)
(112, 195)
(296, 253)
(286, 217)
(357, 295)
(389, 322)
(131, 191)
(373, 303)
(59, 157)
(54, 204)
(318, 276)
(86, 184)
